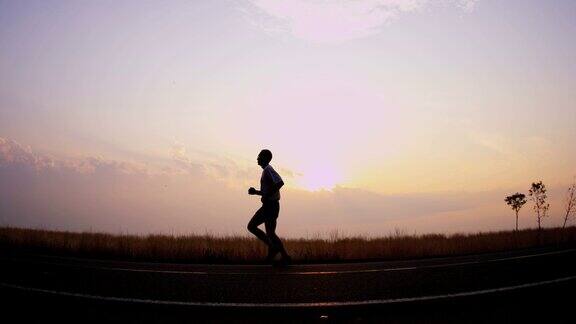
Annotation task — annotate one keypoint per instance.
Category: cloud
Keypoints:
(38, 190)
(219, 168)
(467, 5)
(188, 195)
(491, 141)
(335, 20)
(16, 155)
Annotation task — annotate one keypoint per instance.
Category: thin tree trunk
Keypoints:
(568, 210)
(516, 221)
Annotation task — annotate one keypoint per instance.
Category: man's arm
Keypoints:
(253, 191)
(275, 187)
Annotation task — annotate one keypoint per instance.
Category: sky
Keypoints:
(382, 115)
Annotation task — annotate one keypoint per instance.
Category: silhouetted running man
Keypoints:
(270, 184)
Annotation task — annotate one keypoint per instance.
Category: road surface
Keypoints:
(505, 287)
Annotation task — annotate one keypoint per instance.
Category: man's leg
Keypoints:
(257, 219)
(274, 239)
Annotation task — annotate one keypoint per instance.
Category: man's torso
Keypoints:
(267, 180)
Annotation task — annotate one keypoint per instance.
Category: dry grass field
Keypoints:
(239, 249)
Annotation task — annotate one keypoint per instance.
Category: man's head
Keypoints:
(264, 158)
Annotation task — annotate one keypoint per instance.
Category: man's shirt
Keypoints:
(269, 178)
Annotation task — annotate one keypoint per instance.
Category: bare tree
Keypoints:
(538, 196)
(516, 201)
(570, 202)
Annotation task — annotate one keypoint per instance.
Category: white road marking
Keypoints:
(445, 265)
(291, 305)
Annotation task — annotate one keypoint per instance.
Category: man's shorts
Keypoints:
(268, 211)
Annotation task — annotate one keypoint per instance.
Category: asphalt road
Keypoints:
(503, 287)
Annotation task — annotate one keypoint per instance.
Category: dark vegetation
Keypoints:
(240, 249)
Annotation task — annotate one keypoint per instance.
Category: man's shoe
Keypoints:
(284, 262)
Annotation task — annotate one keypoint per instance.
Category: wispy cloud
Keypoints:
(336, 20)
(493, 142)
(467, 5)
(16, 155)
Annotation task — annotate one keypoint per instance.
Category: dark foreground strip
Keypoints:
(290, 305)
(444, 265)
